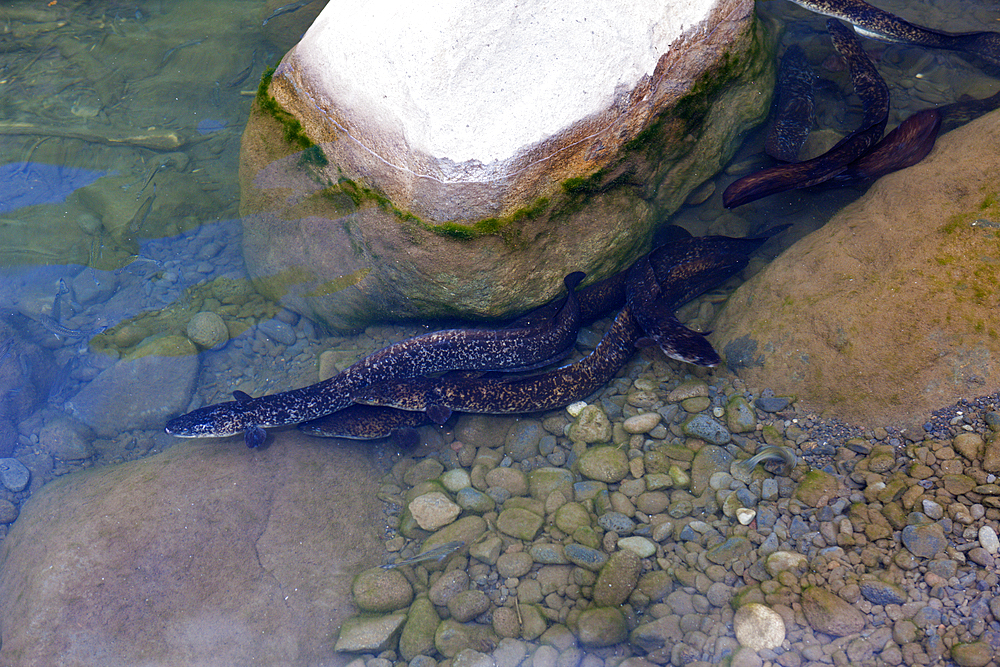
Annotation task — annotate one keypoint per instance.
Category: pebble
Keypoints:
(434, 510)
(758, 627)
(208, 331)
(706, 428)
(604, 464)
(278, 331)
(988, 540)
(641, 423)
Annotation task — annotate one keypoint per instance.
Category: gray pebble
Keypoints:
(705, 428)
(585, 557)
(13, 475)
(616, 522)
(277, 331)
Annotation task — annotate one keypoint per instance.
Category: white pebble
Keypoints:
(718, 412)
(745, 515)
(988, 539)
(434, 510)
(640, 546)
(758, 627)
(456, 480)
(574, 409)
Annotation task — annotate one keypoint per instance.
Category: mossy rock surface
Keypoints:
(887, 312)
(348, 245)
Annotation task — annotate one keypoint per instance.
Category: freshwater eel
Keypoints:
(874, 95)
(451, 349)
(671, 274)
(365, 422)
(440, 397)
(794, 110)
(881, 25)
(907, 144)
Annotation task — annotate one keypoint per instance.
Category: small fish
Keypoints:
(170, 51)
(436, 554)
(242, 76)
(772, 453)
(141, 213)
(286, 9)
(61, 331)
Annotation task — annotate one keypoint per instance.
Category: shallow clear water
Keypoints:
(120, 128)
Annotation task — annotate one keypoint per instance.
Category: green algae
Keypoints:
(292, 128)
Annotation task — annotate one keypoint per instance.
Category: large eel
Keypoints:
(794, 109)
(881, 25)
(520, 348)
(874, 96)
(679, 272)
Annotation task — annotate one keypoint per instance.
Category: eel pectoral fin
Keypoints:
(254, 437)
(679, 342)
(241, 396)
(438, 414)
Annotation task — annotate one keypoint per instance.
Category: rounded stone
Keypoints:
(705, 428)
(543, 481)
(830, 614)
(604, 464)
(585, 557)
(988, 540)
(520, 523)
(973, 654)
(571, 516)
(758, 627)
(522, 439)
(591, 425)
(640, 546)
(456, 479)
(474, 501)
(643, 423)
(512, 479)
(449, 585)
(601, 626)
(379, 590)
(13, 475)
(466, 605)
(505, 623)
(925, 540)
(617, 579)
(8, 512)
(515, 564)
(434, 510)
(207, 330)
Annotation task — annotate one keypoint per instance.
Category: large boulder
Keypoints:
(205, 554)
(458, 159)
(889, 310)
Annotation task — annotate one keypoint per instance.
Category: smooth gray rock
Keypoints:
(139, 392)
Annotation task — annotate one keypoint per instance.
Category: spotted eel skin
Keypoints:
(874, 96)
(452, 349)
(680, 272)
(881, 25)
(794, 110)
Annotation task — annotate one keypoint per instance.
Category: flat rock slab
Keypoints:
(888, 311)
(205, 554)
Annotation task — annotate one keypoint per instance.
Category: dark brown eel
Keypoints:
(874, 96)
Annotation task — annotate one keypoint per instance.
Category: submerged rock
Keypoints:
(885, 313)
(217, 543)
(428, 170)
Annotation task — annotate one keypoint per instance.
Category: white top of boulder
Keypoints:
(475, 80)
